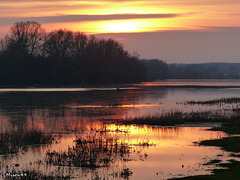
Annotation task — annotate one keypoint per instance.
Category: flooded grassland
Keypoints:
(81, 134)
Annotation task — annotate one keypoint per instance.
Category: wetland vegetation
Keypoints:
(16, 140)
(216, 101)
(177, 117)
(130, 134)
(93, 151)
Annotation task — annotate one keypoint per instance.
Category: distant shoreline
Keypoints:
(16, 88)
(163, 83)
(194, 86)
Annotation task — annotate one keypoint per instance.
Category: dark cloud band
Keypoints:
(78, 18)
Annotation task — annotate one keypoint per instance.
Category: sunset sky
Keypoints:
(181, 31)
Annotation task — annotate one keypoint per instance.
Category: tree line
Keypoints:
(30, 56)
(204, 71)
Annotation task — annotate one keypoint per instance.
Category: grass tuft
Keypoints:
(13, 142)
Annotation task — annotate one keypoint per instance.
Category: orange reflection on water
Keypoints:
(168, 149)
(144, 134)
(160, 149)
(152, 149)
(123, 105)
(178, 135)
(190, 82)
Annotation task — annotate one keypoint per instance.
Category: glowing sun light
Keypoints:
(121, 26)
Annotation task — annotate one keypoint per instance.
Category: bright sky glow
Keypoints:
(189, 15)
(146, 16)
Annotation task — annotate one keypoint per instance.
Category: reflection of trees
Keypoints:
(17, 117)
(62, 111)
(50, 100)
(50, 109)
(16, 140)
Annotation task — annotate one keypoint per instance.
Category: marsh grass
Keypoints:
(227, 143)
(91, 152)
(125, 173)
(13, 142)
(232, 127)
(216, 101)
(228, 130)
(105, 130)
(100, 148)
(228, 111)
(144, 144)
(177, 117)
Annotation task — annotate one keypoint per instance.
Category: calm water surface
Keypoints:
(81, 113)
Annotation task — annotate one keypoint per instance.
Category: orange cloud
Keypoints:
(102, 14)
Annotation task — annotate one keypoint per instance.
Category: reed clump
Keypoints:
(144, 144)
(13, 142)
(125, 173)
(91, 152)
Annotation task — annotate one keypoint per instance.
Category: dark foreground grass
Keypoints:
(15, 141)
(231, 173)
(227, 143)
(232, 128)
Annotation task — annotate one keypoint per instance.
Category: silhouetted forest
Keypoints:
(204, 71)
(30, 56)
(155, 69)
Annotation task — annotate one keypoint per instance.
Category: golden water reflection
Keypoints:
(152, 152)
(190, 82)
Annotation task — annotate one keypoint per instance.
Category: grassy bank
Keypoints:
(231, 173)
(232, 128)
(231, 169)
